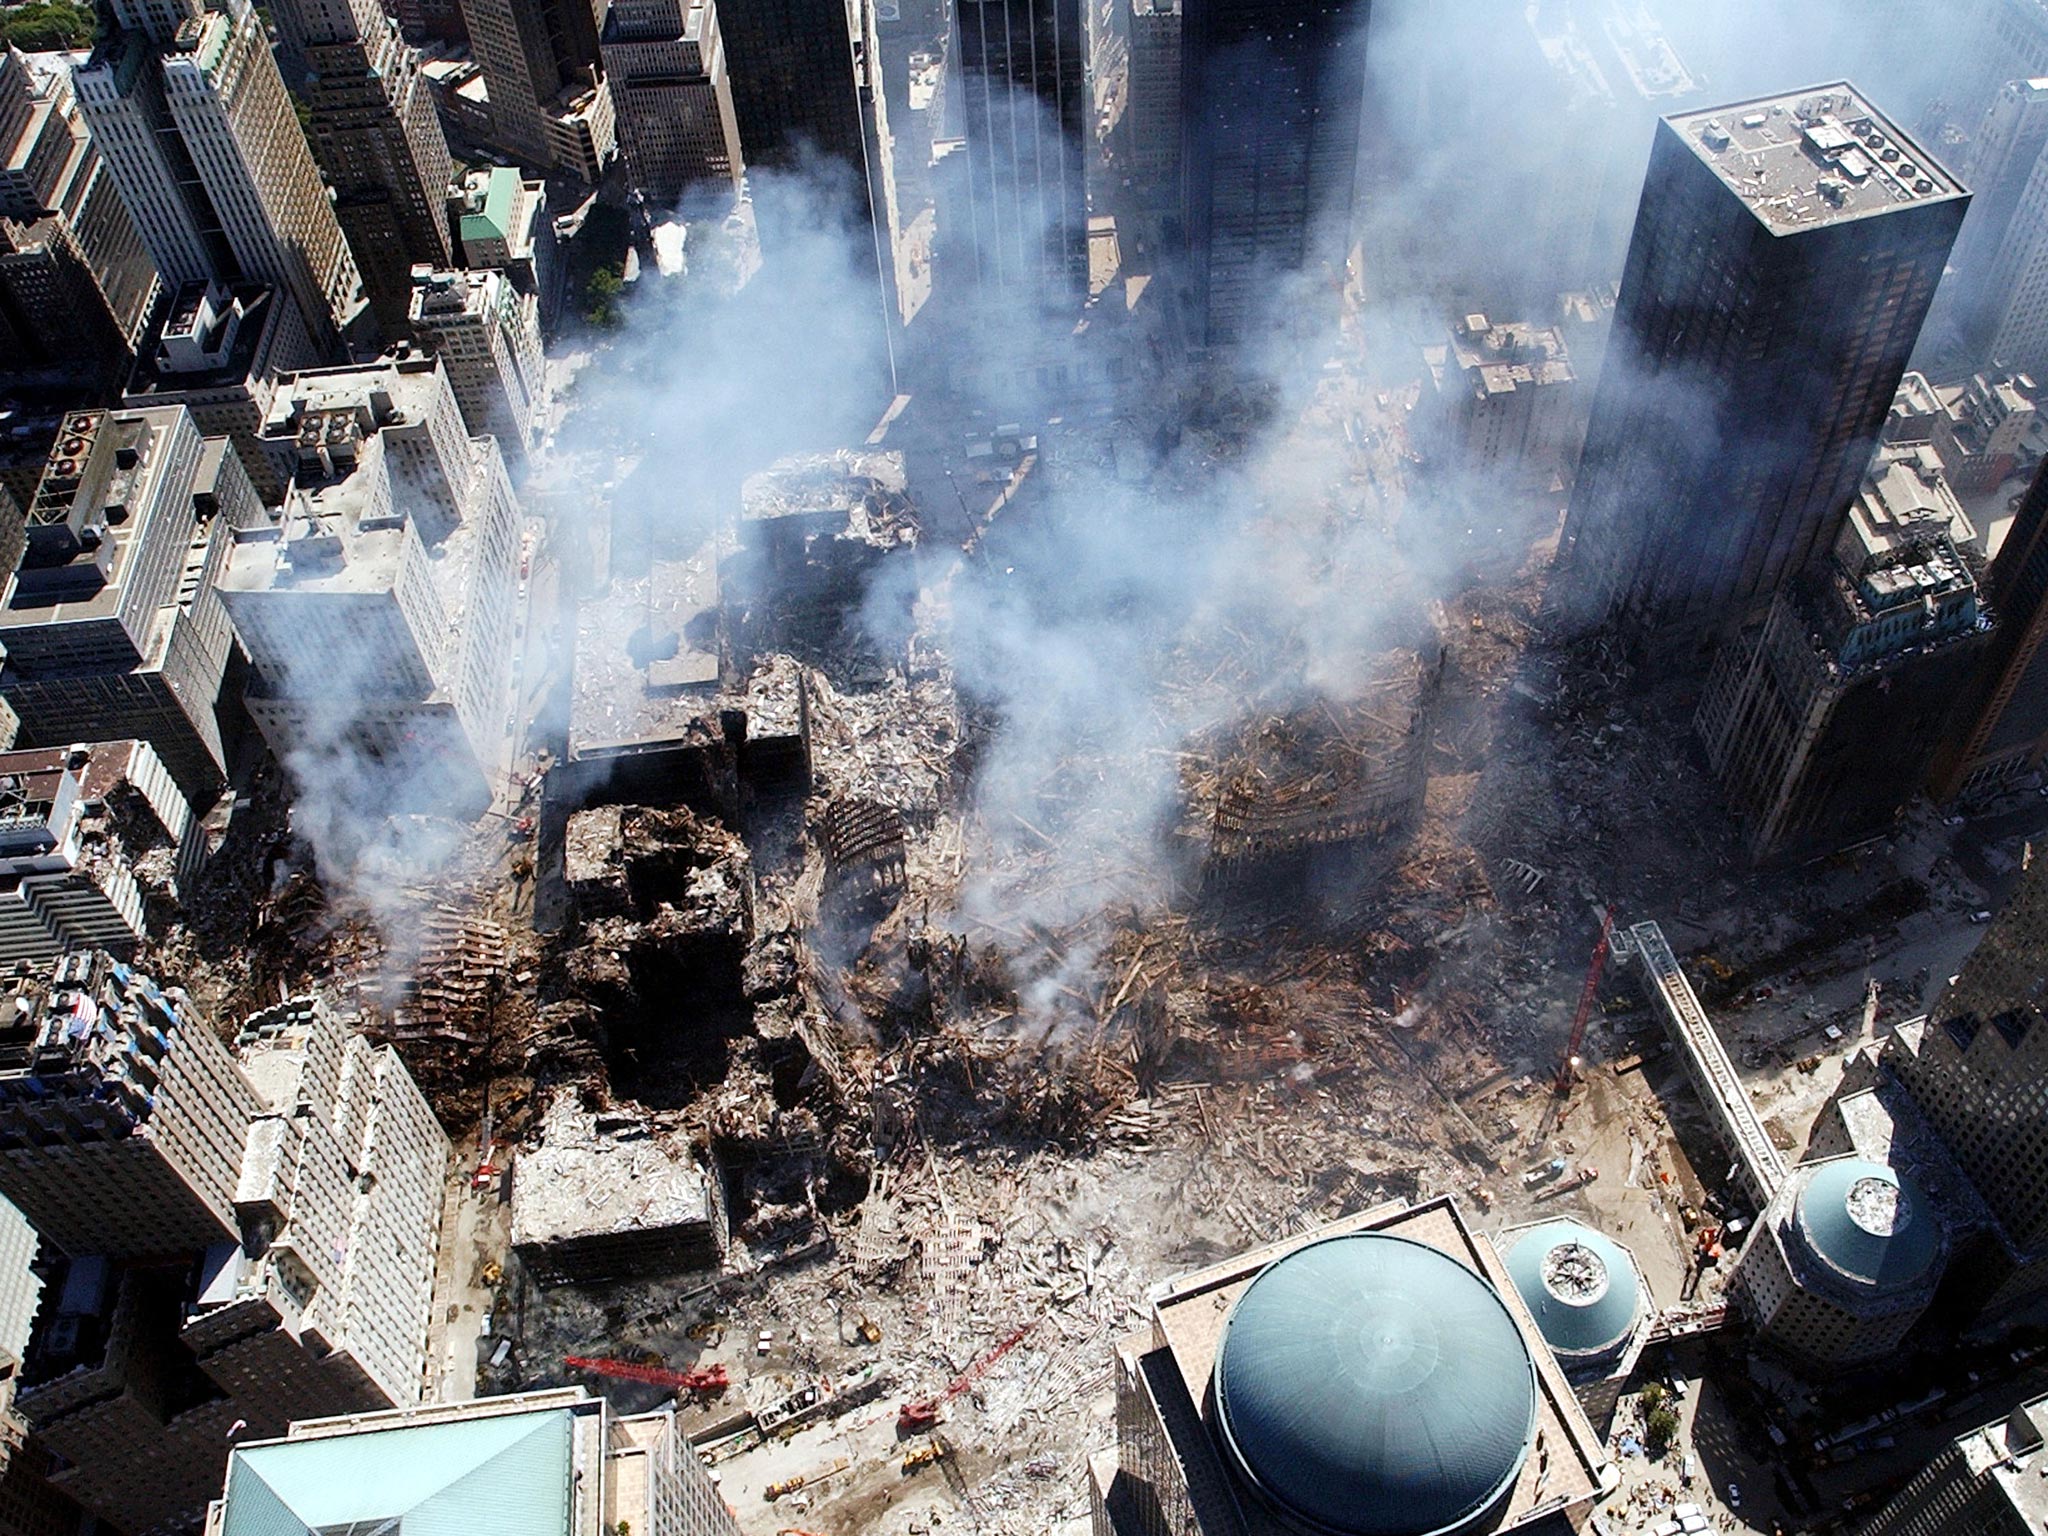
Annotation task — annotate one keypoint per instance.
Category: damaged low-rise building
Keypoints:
(378, 603)
(1505, 399)
(95, 841)
(258, 1243)
(1821, 723)
(813, 532)
(603, 1197)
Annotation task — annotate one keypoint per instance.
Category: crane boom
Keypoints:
(708, 1378)
(1586, 996)
(914, 1416)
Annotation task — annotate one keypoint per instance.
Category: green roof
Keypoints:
(1369, 1385)
(1867, 1224)
(1579, 1285)
(506, 1474)
(495, 222)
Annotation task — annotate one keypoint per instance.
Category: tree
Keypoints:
(43, 25)
(601, 294)
(1661, 1428)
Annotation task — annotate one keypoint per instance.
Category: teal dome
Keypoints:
(1868, 1225)
(1579, 1286)
(1368, 1385)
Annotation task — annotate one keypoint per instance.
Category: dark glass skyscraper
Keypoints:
(1271, 93)
(1784, 254)
(1026, 122)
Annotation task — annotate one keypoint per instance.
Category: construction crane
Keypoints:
(704, 1379)
(924, 1413)
(1561, 1087)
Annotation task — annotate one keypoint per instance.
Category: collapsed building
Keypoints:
(813, 531)
(1329, 775)
(258, 1243)
(602, 1196)
(1378, 1376)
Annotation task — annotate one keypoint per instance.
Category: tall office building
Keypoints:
(1272, 90)
(109, 621)
(245, 1237)
(793, 84)
(2000, 727)
(1975, 1070)
(377, 604)
(664, 63)
(1152, 116)
(1983, 310)
(486, 332)
(555, 1462)
(1025, 125)
(1992, 1481)
(76, 286)
(502, 221)
(1784, 255)
(213, 165)
(1820, 724)
(370, 120)
(540, 61)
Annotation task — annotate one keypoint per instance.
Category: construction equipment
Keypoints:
(923, 1455)
(1578, 1180)
(1561, 1085)
(704, 1380)
(923, 1414)
(775, 1491)
(1570, 1064)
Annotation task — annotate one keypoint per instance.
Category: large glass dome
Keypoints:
(1368, 1385)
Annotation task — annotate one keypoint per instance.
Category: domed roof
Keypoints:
(1868, 1224)
(1580, 1287)
(1370, 1385)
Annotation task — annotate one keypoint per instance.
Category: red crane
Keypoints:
(705, 1378)
(1569, 1065)
(924, 1413)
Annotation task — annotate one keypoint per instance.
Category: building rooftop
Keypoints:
(1806, 159)
(493, 194)
(1190, 1315)
(222, 352)
(647, 657)
(1905, 494)
(509, 1473)
(1373, 1385)
(1580, 1286)
(89, 515)
(1871, 1226)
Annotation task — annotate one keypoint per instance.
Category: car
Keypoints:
(1980, 917)
(1734, 1497)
